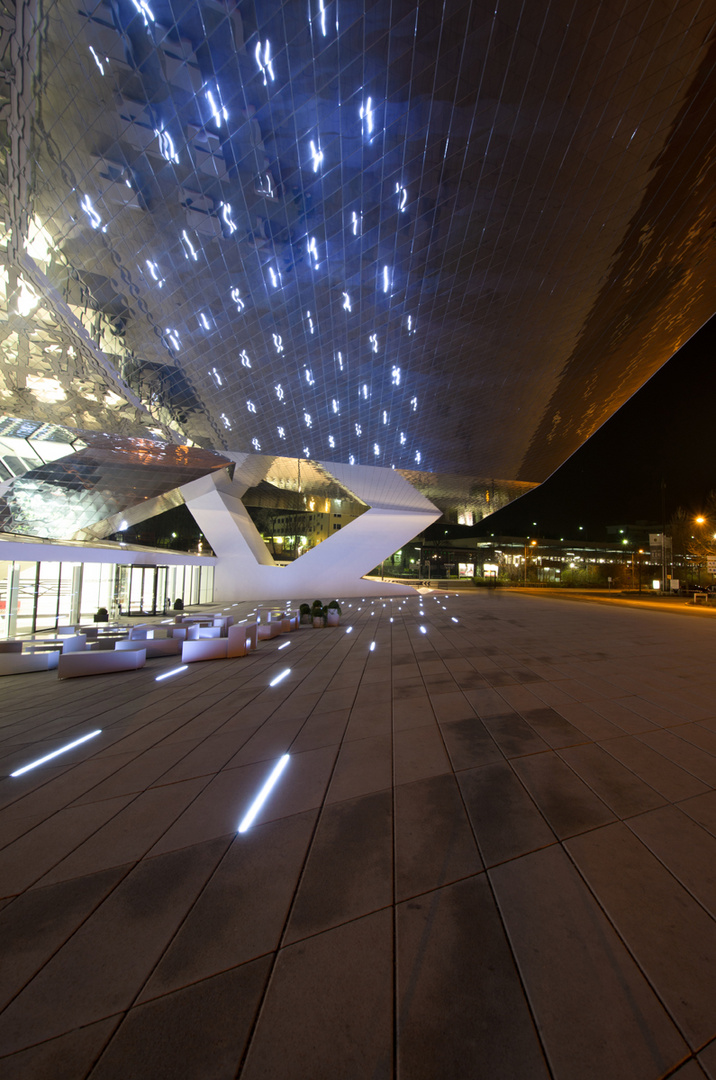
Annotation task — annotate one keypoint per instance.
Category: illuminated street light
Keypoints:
(532, 543)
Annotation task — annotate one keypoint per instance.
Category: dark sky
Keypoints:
(665, 431)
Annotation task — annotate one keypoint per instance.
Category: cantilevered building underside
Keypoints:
(448, 240)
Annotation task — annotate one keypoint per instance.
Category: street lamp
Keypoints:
(532, 543)
(633, 555)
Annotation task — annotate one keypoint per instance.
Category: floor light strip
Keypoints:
(174, 671)
(264, 793)
(280, 677)
(62, 750)
(284, 646)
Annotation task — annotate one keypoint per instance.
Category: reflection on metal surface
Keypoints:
(110, 480)
(500, 249)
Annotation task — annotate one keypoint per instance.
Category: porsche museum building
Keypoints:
(385, 261)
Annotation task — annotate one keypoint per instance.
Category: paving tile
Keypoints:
(329, 1007)
(685, 849)
(270, 740)
(208, 757)
(417, 753)
(349, 869)
(702, 808)
(699, 735)
(618, 713)
(67, 1057)
(215, 811)
(615, 785)
(690, 1071)
(367, 721)
(449, 938)
(130, 833)
(103, 965)
(469, 743)
(566, 802)
(664, 776)
(514, 736)
(696, 761)
(32, 855)
(676, 945)
(590, 723)
(596, 1014)
(553, 728)
(321, 729)
(303, 784)
(139, 773)
(707, 1060)
(486, 702)
(199, 1032)
(505, 820)
(453, 706)
(434, 844)
(39, 922)
(412, 712)
(241, 913)
(363, 766)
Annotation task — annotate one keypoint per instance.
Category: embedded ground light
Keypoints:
(263, 794)
(56, 753)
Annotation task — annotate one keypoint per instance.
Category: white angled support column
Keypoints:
(245, 569)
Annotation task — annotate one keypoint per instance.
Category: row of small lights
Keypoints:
(278, 768)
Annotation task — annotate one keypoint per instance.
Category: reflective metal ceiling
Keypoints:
(445, 237)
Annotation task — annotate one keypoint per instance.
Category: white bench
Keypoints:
(156, 647)
(204, 649)
(99, 663)
(18, 663)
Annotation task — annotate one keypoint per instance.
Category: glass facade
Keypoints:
(37, 596)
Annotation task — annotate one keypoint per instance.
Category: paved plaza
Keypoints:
(492, 854)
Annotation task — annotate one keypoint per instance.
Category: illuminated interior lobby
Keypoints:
(392, 263)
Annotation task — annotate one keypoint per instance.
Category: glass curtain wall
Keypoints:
(42, 596)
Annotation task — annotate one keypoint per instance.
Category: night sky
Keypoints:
(665, 431)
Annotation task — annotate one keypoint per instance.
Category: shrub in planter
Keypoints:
(102, 615)
(317, 613)
(333, 613)
(305, 612)
(178, 604)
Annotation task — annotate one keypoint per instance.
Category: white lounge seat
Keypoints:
(158, 647)
(239, 643)
(99, 663)
(205, 649)
(74, 643)
(17, 663)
